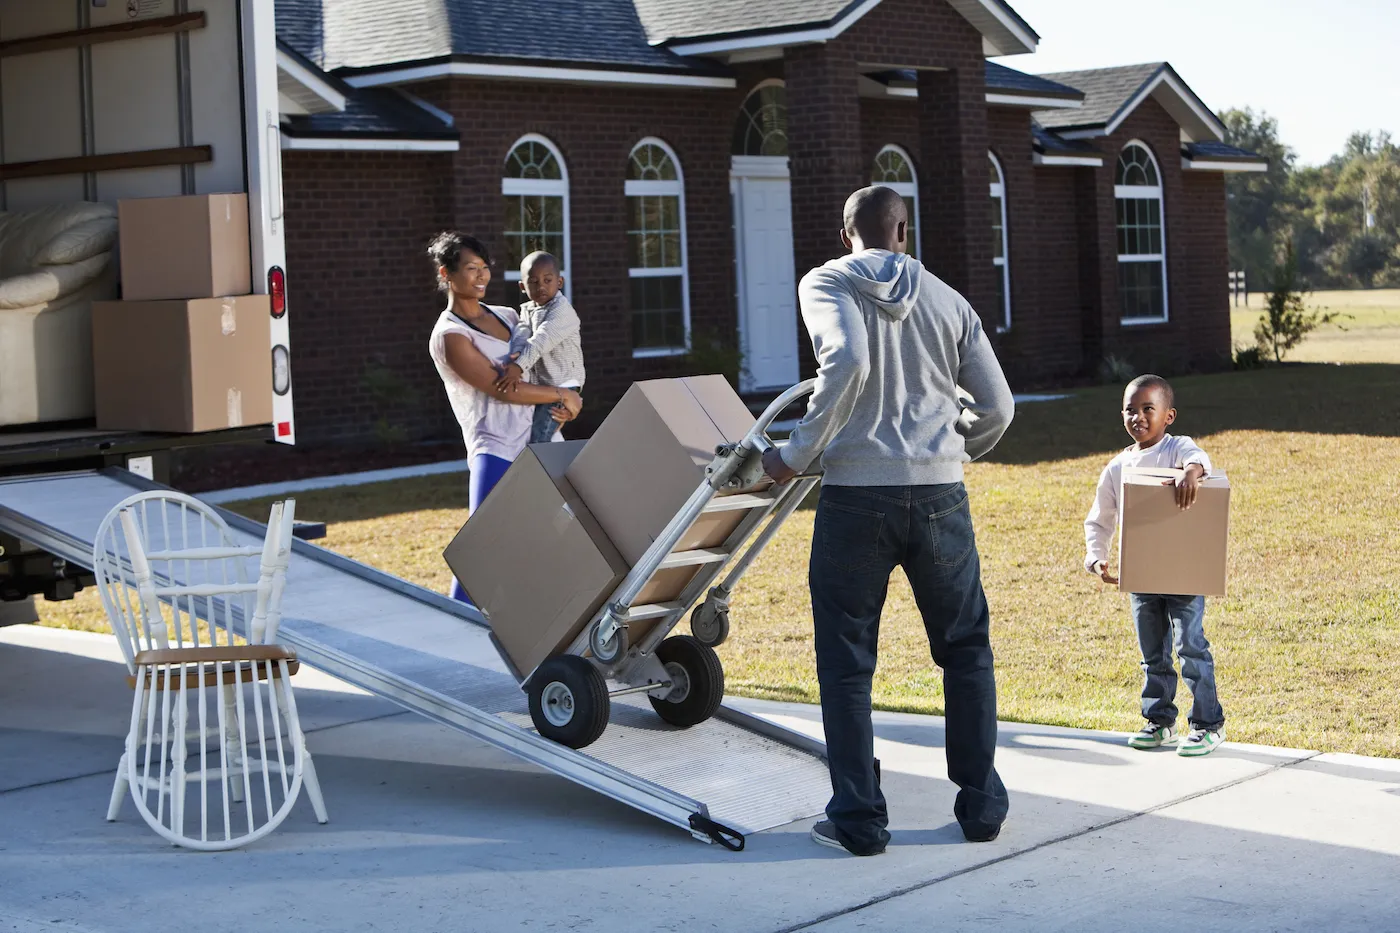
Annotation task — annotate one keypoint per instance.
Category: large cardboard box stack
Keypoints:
(188, 349)
(567, 522)
(1167, 550)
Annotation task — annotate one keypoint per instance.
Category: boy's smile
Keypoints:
(1146, 415)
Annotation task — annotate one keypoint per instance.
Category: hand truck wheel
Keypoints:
(697, 682)
(610, 651)
(709, 625)
(569, 701)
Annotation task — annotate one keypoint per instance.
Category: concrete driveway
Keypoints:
(431, 831)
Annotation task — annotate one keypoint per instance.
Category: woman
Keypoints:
(470, 339)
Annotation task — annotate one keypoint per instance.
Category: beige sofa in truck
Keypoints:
(54, 262)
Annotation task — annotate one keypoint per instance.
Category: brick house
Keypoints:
(688, 162)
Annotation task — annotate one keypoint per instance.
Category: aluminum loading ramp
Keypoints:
(433, 655)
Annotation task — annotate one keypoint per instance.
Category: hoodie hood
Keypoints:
(889, 280)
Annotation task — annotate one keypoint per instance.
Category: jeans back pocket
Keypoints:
(951, 531)
(850, 536)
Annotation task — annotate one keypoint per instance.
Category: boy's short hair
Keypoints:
(1148, 380)
(536, 258)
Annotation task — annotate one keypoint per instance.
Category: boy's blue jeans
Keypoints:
(861, 535)
(1164, 623)
(544, 427)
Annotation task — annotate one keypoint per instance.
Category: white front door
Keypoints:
(767, 287)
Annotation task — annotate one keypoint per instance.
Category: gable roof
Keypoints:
(1111, 94)
(713, 26)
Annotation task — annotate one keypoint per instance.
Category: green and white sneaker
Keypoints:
(1153, 735)
(1201, 742)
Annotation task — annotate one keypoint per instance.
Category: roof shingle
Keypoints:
(669, 20)
(1106, 92)
(1001, 78)
(1220, 152)
(371, 34)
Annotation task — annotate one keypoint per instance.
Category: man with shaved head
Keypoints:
(894, 345)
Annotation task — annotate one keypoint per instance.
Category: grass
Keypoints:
(1370, 335)
(1307, 643)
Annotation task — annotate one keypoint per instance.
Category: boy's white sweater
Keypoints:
(1170, 452)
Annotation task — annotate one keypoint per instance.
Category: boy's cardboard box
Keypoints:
(182, 366)
(1165, 550)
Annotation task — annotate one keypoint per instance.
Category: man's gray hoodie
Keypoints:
(894, 346)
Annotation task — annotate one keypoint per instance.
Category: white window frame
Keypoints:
(676, 189)
(1144, 193)
(906, 189)
(540, 187)
(997, 189)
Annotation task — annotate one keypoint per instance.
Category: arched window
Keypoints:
(535, 184)
(895, 170)
(1142, 254)
(762, 126)
(656, 252)
(1001, 250)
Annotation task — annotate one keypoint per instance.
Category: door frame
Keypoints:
(748, 167)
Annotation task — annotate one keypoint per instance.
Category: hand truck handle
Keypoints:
(757, 438)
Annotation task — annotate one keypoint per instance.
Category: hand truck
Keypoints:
(571, 693)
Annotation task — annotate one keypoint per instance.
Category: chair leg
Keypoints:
(313, 786)
(119, 790)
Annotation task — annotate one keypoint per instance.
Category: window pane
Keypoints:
(1000, 274)
(761, 129)
(912, 245)
(1139, 226)
(532, 160)
(658, 316)
(1140, 291)
(651, 163)
(997, 237)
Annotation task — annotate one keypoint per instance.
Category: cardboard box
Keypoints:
(650, 454)
(182, 366)
(1166, 550)
(534, 559)
(185, 247)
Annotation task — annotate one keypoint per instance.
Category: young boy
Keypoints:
(1160, 620)
(546, 342)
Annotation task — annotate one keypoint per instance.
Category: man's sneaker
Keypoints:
(1201, 742)
(1153, 735)
(824, 834)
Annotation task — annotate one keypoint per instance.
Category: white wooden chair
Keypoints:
(200, 642)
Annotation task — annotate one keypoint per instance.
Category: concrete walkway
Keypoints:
(432, 831)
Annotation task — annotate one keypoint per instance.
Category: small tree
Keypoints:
(1286, 319)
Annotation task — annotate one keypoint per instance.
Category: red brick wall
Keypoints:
(361, 297)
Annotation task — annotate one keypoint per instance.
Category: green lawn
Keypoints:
(1307, 643)
(1370, 335)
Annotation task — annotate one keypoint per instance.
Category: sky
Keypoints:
(1322, 68)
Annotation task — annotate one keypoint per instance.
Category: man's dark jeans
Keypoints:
(861, 535)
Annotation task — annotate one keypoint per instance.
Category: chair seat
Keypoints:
(245, 672)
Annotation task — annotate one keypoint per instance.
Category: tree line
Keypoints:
(1342, 218)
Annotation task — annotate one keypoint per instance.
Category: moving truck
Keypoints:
(107, 100)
